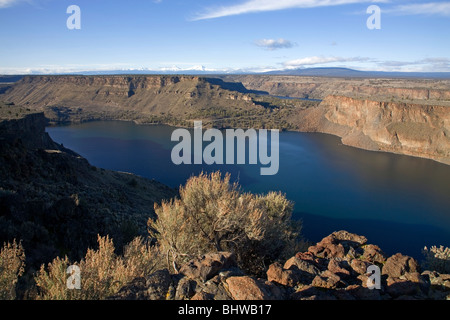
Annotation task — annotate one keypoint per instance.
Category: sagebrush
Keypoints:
(214, 215)
(437, 259)
(12, 264)
(102, 272)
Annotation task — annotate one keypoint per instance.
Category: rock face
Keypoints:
(410, 129)
(427, 91)
(336, 268)
(140, 98)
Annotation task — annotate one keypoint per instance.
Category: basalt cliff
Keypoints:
(408, 117)
(403, 128)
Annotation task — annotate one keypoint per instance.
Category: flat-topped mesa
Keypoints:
(74, 98)
(124, 81)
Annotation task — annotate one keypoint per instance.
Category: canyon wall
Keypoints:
(408, 117)
(404, 128)
(83, 98)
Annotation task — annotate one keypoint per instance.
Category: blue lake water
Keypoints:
(399, 203)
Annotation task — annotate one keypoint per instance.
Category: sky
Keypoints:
(223, 36)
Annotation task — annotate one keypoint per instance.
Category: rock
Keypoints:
(327, 248)
(158, 285)
(397, 287)
(398, 264)
(277, 274)
(208, 266)
(358, 266)
(351, 238)
(336, 267)
(214, 287)
(363, 293)
(308, 266)
(247, 288)
(134, 290)
(337, 244)
(185, 289)
(373, 254)
(327, 280)
(312, 293)
(202, 296)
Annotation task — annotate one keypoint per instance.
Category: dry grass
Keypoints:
(103, 272)
(12, 263)
(437, 259)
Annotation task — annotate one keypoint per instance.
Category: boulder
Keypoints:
(248, 288)
(278, 274)
(208, 266)
(185, 289)
(158, 285)
(373, 254)
(398, 264)
(337, 244)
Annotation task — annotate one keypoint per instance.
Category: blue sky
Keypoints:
(230, 35)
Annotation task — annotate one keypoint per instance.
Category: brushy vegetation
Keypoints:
(103, 272)
(211, 214)
(214, 215)
(437, 259)
(12, 264)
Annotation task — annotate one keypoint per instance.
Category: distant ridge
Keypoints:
(346, 72)
(307, 72)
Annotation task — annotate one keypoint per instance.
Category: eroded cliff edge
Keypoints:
(403, 128)
(410, 117)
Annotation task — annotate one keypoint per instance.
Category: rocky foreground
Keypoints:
(333, 269)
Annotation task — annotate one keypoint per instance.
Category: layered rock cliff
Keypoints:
(82, 98)
(404, 128)
(414, 90)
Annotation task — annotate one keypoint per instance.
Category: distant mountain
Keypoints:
(351, 73)
(309, 72)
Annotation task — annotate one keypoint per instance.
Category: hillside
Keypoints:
(57, 203)
(146, 99)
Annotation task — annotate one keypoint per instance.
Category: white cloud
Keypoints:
(309, 61)
(250, 6)
(431, 8)
(8, 3)
(273, 44)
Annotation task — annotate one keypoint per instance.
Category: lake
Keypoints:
(398, 202)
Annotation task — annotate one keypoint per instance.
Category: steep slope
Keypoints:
(57, 203)
(81, 98)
